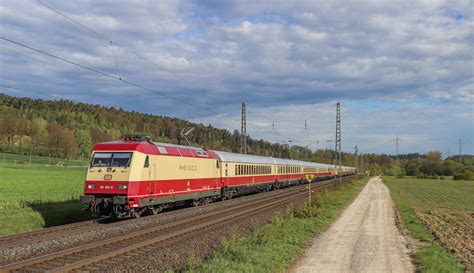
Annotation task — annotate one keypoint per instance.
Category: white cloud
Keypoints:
(280, 56)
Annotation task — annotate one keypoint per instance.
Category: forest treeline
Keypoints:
(68, 130)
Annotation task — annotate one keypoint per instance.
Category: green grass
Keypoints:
(276, 246)
(413, 196)
(32, 197)
(18, 159)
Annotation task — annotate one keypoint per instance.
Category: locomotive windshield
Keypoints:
(111, 160)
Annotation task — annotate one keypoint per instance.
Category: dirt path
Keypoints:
(363, 239)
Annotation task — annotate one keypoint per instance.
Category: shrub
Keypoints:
(306, 211)
(468, 175)
(458, 176)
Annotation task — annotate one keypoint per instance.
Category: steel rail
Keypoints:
(9, 241)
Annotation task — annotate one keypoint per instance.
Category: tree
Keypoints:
(8, 128)
(432, 164)
(84, 142)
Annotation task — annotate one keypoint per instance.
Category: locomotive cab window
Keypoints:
(111, 160)
(121, 159)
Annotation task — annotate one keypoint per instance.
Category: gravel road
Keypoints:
(363, 239)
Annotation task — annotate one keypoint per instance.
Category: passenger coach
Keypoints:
(136, 176)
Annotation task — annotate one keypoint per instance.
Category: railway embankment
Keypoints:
(277, 245)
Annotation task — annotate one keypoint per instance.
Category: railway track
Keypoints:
(85, 256)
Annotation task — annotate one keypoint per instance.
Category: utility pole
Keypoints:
(243, 130)
(460, 143)
(337, 146)
(356, 159)
(397, 144)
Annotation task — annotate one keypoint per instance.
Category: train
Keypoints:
(136, 176)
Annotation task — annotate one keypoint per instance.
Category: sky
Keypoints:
(397, 67)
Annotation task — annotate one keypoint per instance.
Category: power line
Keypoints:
(102, 36)
(28, 56)
(337, 146)
(397, 145)
(356, 150)
(205, 98)
(105, 74)
(115, 59)
(31, 92)
(111, 43)
(460, 143)
(243, 130)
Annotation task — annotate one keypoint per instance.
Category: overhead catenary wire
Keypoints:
(115, 59)
(119, 77)
(102, 36)
(112, 43)
(134, 84)
(105, 74)
(26, 55)
(108, 40)
(32, 92)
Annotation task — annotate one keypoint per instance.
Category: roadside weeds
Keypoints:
(276, 246)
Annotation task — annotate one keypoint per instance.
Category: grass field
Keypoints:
(32, 197)
(439, 214)
(276, 246)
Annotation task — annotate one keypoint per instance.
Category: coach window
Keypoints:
(147, 162)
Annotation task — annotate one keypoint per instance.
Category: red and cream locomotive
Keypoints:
(136, 176)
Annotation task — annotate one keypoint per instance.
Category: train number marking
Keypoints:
(188, 168)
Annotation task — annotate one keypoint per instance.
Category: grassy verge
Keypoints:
(33, 197)
(276, 246)
(423, 205)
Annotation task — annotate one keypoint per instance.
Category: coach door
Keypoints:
(217, 175)
(148, 176)
(152, 181)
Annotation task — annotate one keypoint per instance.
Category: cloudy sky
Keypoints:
(397, 67)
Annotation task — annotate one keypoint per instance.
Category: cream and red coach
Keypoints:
(135, 176)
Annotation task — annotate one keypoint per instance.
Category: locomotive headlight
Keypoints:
(91, 186)
(122, 187)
